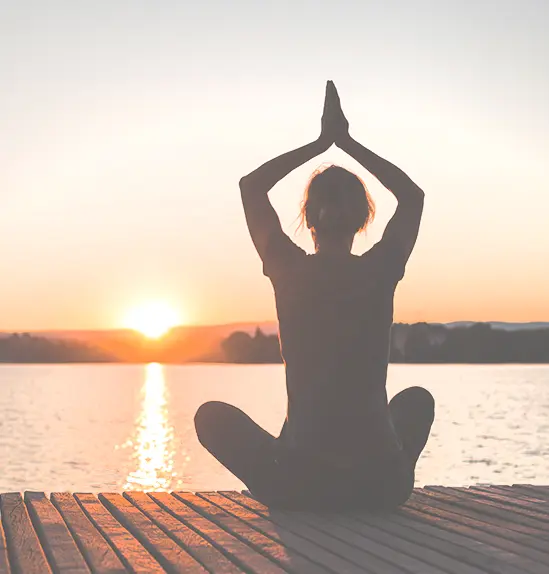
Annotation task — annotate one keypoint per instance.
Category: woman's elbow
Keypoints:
(416, 192)
(414, 196)
(244, 184)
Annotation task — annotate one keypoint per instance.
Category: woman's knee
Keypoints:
(416, 396)
(423, 396)
(413, 400)
(208, 420)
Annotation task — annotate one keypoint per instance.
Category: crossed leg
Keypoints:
(239, 444)
(413, 411)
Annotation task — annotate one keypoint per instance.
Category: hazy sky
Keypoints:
(125, 126)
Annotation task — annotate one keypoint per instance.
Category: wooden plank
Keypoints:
(463, 550)
(357, 556)
(98, 554)
(289, 560)
(375, 552)
(510, 544)
(498, 508)
(517, 490)
(196, 545)
(509, 491)
(529, 537)
(57, 542)
(443, 529)
(523, 492)
(4, 561)
(466, 535)
(231, 546)
(507, 500)
(404, 543)
(485, 511)
(25, 553)
(133, 555)
(542, 491)
(315, 553)
(171, 556)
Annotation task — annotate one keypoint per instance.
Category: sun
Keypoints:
(153, 319)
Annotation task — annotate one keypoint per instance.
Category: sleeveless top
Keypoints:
(335, 315)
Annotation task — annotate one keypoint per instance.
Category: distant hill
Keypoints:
(269, 327)
(503, 325)
(221, 331)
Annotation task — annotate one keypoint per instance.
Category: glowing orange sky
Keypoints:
(123, 146)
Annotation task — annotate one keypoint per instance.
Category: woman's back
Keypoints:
(335, 314)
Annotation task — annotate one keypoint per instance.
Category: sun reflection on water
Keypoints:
(154, 442)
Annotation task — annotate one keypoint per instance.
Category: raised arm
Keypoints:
(401, 231)
(261, 217)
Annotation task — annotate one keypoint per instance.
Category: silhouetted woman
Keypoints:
(341, 445)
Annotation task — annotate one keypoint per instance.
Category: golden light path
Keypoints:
(154, 444)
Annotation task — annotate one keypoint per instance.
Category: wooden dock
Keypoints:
(477, 530)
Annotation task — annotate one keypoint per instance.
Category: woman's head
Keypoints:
(336, 204)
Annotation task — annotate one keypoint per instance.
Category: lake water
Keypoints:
(104, 428)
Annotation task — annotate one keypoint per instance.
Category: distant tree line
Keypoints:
(419, 343)
(415, 343)
(241, 347)
(24, 348)
(123, 346)
(477, 343)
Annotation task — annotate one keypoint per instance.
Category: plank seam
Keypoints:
(235, 560)
(173, 536)
(5, 562)
(353, 524)
(10, 548)
(40, 534)
(100, 530)
(295, 534)
(226, 529)
(79, 544)
(387, 549)
(492, 507)
(340, 553)
(136, 533)
(426, 516)
(82, 550)
(519, 527)
(263, 533)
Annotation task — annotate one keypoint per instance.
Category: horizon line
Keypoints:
(244, 323)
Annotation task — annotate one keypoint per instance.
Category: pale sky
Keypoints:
(126, 125)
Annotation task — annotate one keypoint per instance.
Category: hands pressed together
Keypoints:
(262, 218)
(334, 124)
